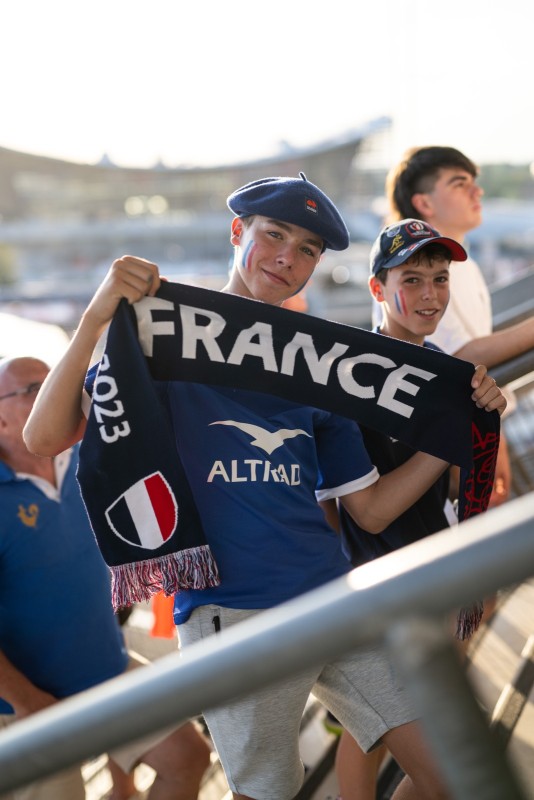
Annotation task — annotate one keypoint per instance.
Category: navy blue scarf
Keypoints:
(133, 483)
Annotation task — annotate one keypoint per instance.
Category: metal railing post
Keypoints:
(471, 760)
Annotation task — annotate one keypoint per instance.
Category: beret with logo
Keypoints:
(296, 201)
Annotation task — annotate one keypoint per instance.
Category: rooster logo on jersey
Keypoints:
(28, 516)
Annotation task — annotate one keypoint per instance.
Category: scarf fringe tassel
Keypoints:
(136, 582)
(468, 621)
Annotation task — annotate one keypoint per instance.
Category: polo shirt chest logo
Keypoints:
(28, 516)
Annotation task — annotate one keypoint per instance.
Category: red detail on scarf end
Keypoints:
(136, 582)
(468, 621)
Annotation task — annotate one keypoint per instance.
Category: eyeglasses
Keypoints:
(31, 388)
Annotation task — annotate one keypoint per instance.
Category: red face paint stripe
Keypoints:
(400, 303)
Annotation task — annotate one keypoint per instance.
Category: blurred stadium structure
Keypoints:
(63, 223)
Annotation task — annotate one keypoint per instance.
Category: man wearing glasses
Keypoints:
(58, 632)
(31, 389)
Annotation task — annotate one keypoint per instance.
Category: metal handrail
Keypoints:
(434, 576)
(515, 368)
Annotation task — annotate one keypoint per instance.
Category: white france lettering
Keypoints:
(345, 373)
(319, 367)
(193, 333)
(395, 383)
(146, 326)
(203, 326)
(263, 348)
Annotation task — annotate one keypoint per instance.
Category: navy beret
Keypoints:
(397, 242)
(293, 200)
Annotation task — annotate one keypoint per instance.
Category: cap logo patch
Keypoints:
(418, 229)
(311, 206)
(397, 242)
(416, 226)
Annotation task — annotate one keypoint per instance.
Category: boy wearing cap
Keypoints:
(409, 265)
(270, 538)
(439, 185)
(410, 279)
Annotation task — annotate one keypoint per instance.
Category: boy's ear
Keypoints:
(237, 230)
(422, 204)
(376, 289)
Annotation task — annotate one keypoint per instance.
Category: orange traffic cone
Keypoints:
(163, 626)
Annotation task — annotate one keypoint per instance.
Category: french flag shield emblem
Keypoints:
(146, 514)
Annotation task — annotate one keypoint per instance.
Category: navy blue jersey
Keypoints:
(254, 463)
(426, 516)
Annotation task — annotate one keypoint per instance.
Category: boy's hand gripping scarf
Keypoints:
(133, 483)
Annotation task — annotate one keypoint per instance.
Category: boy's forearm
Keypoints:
(56, 421)
(394, 493)
(499, 346)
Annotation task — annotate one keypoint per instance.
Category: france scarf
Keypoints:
(132, 480)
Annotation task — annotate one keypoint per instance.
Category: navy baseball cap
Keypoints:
(293, 200)
(397, 242)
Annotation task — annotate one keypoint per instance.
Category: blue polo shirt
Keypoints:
(57, 625)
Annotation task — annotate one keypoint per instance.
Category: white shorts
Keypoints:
(257, 738)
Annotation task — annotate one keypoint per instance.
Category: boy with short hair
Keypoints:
(270, 539)
(439, 185)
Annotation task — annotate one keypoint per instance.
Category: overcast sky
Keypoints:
(212, 81)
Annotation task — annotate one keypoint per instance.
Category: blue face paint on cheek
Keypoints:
(247, 255)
